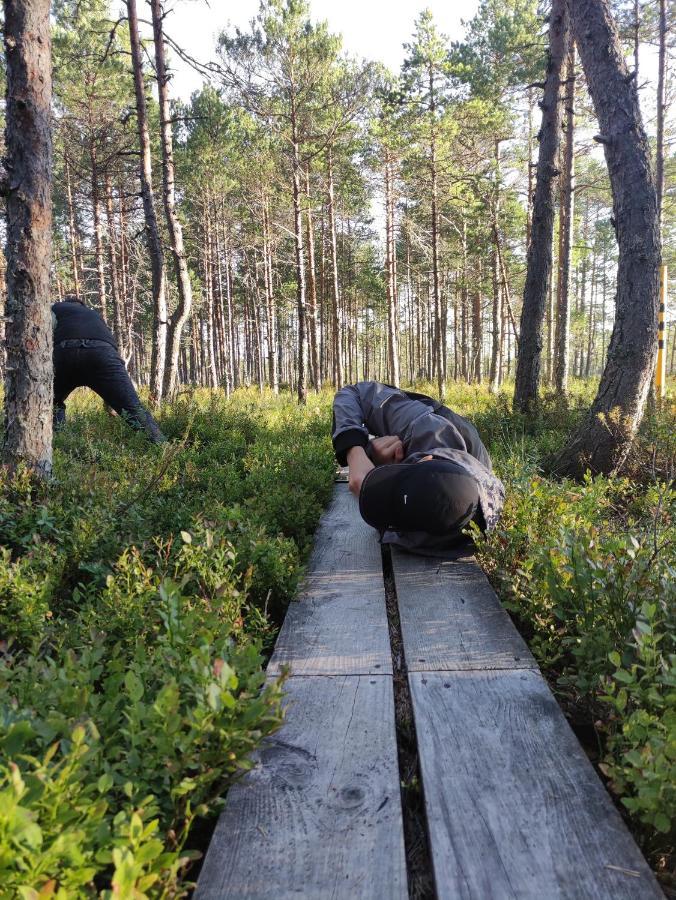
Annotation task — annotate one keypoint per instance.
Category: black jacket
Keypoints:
(77, 322)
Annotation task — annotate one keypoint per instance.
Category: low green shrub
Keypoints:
(587, 570)
(137, 596)
(641, 758)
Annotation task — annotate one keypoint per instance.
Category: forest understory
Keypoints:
(139, 561)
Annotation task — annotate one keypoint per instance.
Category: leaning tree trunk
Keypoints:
(157, 271)
(182, 312)
(603, 441)
(542, 225)
(29, 373)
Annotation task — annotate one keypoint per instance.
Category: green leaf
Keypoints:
(133, 685)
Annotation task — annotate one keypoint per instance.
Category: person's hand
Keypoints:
(386, 450)
(359, 466)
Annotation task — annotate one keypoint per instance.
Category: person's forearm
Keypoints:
(348, 422)
(359, 466)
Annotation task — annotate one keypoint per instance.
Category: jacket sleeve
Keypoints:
(350, 412)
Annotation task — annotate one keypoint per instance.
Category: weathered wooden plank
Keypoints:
(514, 807)
(320, 816)
(338, 624)
(451, 618)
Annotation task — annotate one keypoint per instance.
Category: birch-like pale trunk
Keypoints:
(155, 251)
(181, 314)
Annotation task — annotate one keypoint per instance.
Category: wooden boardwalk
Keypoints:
(514, 808)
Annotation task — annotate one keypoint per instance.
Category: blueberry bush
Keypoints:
(139, 594)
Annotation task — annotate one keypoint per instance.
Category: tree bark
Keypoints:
(271, 311)
(390, 265)
(495, 372)
(115, 288)
(300, 272)
(335, 290)
(438, 341)
(604, 439)
(661, 106)
(566, 219)
(29, 372)
(542, 225)
(98, 237)
(71, 230)
(155, 251)
(315, 374)
(182, 313)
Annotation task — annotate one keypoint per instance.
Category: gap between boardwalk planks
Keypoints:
(320, 815)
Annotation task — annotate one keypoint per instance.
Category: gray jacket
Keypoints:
(426, 428)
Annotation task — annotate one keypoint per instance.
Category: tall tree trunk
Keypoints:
(155, 251)
(271, 312)
(495, 373)
(72, 232)
(115, 289)
(603, 441)
(390, 265)
(300, 267)
(28, 189)
(315, 374)
(438, 341)
(637, 35)
(661, 106)
(182, 312)
(531, 166)
(335, 291)
(542, 227)
(566, 220)
(98, 236)
(477, 336)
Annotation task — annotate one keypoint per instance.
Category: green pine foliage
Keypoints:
(138, 596)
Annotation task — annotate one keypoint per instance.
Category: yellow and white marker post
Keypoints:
(661, 368)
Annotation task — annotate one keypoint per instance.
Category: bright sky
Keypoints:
(373, 29)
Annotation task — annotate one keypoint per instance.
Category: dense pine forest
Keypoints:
(494, 224)
(308, 218)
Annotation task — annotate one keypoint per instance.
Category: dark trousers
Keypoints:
(97, 365)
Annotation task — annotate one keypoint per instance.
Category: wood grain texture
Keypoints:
(451, 618)
(320, 816)
(514, 807)
(338, 625)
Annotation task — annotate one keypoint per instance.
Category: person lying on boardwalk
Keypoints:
(425, 474)
(85, 355)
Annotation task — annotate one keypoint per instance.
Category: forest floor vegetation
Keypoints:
(141, 592)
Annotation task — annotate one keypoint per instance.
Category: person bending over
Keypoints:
(423, 476)
(85, 355)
